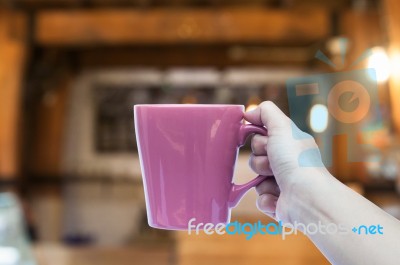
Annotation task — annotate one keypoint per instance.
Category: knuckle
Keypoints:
(253, 148)
(251, 161)
(253, 144)
(256, 142)
(255, 164)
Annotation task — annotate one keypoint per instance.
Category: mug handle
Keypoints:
(238, 191)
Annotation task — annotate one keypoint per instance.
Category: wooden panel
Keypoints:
(392, 11)
(172, 26)
(12, 57)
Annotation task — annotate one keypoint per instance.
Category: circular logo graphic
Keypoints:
(358, 93)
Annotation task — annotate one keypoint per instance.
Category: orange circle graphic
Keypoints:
(359, 92)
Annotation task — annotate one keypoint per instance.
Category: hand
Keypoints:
(296, 193)
(278, 155)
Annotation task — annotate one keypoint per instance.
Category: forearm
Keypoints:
(326, 200)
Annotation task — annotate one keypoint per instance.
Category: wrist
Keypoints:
(307, 189)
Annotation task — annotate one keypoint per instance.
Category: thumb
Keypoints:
(269, 115)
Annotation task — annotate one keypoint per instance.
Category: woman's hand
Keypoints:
(280, 155)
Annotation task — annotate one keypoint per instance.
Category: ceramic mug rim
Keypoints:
(188, 106)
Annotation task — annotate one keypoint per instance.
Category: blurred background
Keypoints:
(71, 70)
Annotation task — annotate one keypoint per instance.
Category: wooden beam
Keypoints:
(48, 134)
(12, 58)
(392, 11)
(337, 4)
(173, 26)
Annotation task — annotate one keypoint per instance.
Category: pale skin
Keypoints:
(311, 195)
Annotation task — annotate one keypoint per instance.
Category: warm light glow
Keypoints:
(251, 107)
(319, 118)
(379, 60)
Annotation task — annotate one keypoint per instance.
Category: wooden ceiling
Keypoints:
(187, 3)
(274, 31)
(83, 23)
(166, 26)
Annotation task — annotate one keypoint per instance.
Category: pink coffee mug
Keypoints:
(187, 155)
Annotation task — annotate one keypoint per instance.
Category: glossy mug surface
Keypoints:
(187, 155)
